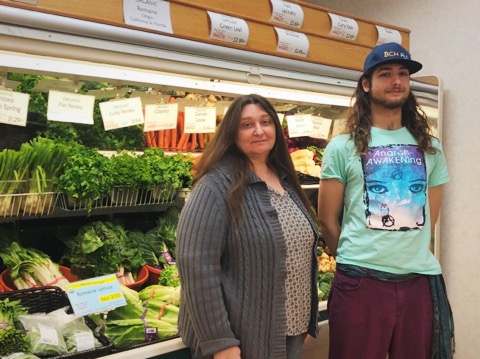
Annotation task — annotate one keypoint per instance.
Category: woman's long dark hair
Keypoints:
(223, 146)
(359, 121)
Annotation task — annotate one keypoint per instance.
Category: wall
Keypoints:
(443, 38)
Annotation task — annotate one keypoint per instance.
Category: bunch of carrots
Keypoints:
(175, 139)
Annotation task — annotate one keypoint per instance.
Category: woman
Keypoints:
(246, 244)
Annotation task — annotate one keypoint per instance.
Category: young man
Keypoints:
(379, 200)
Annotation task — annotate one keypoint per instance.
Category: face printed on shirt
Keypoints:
(395, 188)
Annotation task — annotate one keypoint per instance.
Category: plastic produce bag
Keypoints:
(43, 334)
(78, 336)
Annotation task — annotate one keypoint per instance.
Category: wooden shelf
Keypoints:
(190, 21)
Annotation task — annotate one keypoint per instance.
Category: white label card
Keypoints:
(343, 27)
(388, 35)
(70, 107)
(95, 295)
(321, 127)
(228, 28)
(291, 42)
(14, 108)
(84, 341)
(147, 14)
(48, 334)
(121, 113)
(160, 117)
(299, 125)
(287, 13)
(200, 119)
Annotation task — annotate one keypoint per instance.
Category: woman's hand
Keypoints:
(229, 353)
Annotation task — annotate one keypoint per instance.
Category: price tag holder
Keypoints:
(299, 125)
(388, 35)
(200, 119)
(95, 295)
(153, 15)
(70, 107)
(228, 29)
(287, 13)
(343, 27)
(121, 113)
(14, 108)
(160, 117)
(321, 127)
(291, 42)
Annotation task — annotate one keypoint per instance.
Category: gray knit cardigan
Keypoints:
(233, 281)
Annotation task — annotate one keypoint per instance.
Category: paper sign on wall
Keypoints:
(154, 15)
(287, 13)
(228, 28)
(321, 127)
(388, 35)
(14, 108)
(160, 117)
(95, 295)
(121, 113)
(343, 27)
(291, 42)
(299, 125)
(200, 119)
(70, 107)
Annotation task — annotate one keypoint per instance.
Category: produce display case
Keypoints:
(58, 38)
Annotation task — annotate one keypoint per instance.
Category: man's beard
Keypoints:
(388, 104)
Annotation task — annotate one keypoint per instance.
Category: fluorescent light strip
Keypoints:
(83, 70)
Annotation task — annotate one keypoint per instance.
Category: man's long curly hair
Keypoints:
(359, 121)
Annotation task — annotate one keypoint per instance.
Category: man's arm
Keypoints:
(330, 206)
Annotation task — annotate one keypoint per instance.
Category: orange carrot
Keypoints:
(147, 140)
(174, 139)
(181, 121)
(201, 140)
(182, 143)
(153, 139)
(194, 141)
(161, 138)
(167, 139)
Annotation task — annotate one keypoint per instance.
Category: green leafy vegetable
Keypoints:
(12, 339)
(130, 170)
(128, 332)
(102, 248)
(30, 267)
(86, 175)
(169, 276)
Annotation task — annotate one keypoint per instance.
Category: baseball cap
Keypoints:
(388, 53)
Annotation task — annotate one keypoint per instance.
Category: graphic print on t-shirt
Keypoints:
(395, 187)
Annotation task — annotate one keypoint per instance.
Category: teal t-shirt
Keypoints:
(386, 217)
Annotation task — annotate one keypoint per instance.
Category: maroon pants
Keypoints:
(369, 319)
